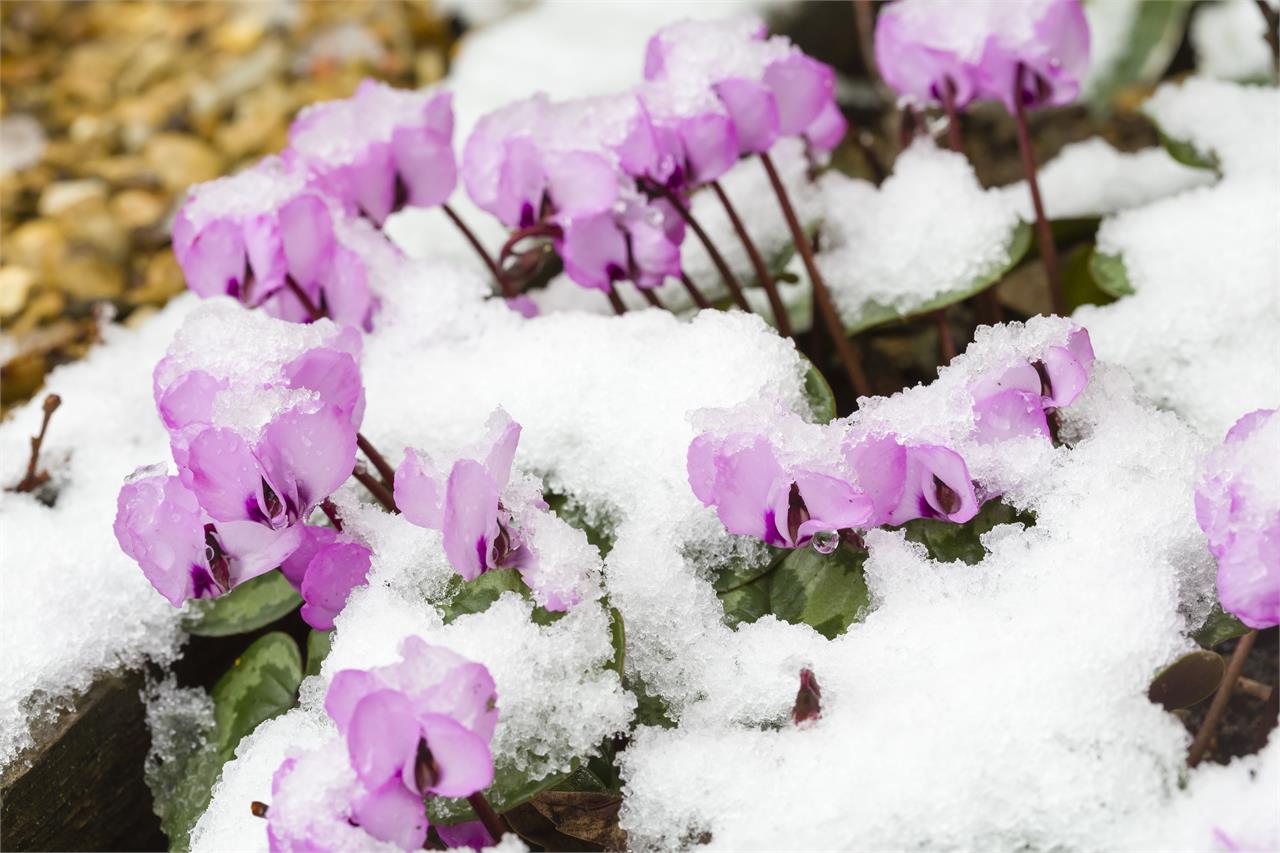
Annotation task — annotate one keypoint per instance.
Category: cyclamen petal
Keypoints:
(382, 736)
(802, 87)
(333, 572)
(392, 813)
(158, 524)
(755, 113)
(419, 490)
(463, 757)
(308, 454)
(470, 518)
(1238, 508)
(311, 540)
(228, 479)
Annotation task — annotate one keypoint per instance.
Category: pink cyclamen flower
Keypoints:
(910, 481)
(414, 729)
(185, 553)
(380, 149)
(768, 87)
(1015, 402)
(324, 568)
(250, 235)
(482, 530)
(755, 495)
(1238, 508)
(925, 46)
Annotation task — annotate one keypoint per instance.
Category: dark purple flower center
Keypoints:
(219, 564)
(797, 513)
(426, 772)
(948, 499)
(1046, 384)
(808, 698)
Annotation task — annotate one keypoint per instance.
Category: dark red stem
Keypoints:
(1220, 699)
(301, 295)
(848, 356)
(616, 301)
(376, 489)
(694, 293)
(507, 289)
(757, 262)
(954, 139)
(946, 343)
(1048, 251)
(730, 280)
(651, 297)
(385, 471)
(327, 507)
(493, 823)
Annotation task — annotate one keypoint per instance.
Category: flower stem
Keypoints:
(694, 293)
(616, 301)
(946, 343)
(507, 289)
(1220, 699)
(848, 356)
(376, 489)
(651, 297)
(301, 295)
(730, 280)
(762, 270)
(493, 822)
(954, 140)
(1048, 252)
(385, 471)
(331, 511)
(1272, 35)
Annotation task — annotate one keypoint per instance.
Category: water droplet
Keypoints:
(825, 541)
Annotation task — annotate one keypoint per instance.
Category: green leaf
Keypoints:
(1187, 154)
(1153, 38)
(1110, 274)
(875, 314)
(182, 766)
(827, 591)
(510, 788)
(318, 645)
(1078, 284)
(947, 542)
(246, 608)
(475, 596)
(1187, 681)
(745, 568)
(746, 603)
(261, 684)
(1219, 627)
(818, 394)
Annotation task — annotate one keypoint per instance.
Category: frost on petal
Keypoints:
(330, 576)
(189, 400)
(502, 434)
(470, 518)
(1010, 414)
(332, 374)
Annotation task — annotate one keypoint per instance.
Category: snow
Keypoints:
(1199, 333)
(928, 229)
(1228, 39)
(67, 587)
(1092, 178)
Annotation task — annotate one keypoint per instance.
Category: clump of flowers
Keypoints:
(1238, 507)
(416, 729)
(481, 519)
(269, 239)
(255, 459)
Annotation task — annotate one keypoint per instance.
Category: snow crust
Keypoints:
(1199, 332)
(72, 605)
(928, 229)
(1228, 39)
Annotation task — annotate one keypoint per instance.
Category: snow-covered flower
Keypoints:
(755, 495)
(767, 87)
(472, 506)
(259, 234)
(380, 149)
(1238, 507)
(925, 46)
(183, 551)
(417, 728)
(1017, 400)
